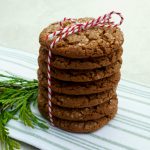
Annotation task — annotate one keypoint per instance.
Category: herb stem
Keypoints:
(16, 97)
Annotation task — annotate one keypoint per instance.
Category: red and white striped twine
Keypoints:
(77, 27)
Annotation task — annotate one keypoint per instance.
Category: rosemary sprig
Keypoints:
(16, 96)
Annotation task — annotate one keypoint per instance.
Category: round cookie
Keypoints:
(78, 101)
(83, 75)
(93, 42)
(83, 126)
(80, 88)
(81, 114)
(79, 126)
(87, 63)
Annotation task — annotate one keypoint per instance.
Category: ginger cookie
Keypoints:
(79, 126)
(78, 101)
(81, 114)
(80, 88)
(83, 126)
(83, 75)
(86, 63)
(93, 42)
(79, 70)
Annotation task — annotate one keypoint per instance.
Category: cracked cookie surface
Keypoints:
(80, 88)
(85, 63)
(82, 75)
(81, 114)
(93, 42)
(79, 126)
(81, 101)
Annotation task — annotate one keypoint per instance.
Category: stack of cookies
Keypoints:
(85, 71)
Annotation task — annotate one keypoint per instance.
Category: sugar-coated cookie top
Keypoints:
(93, 42)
